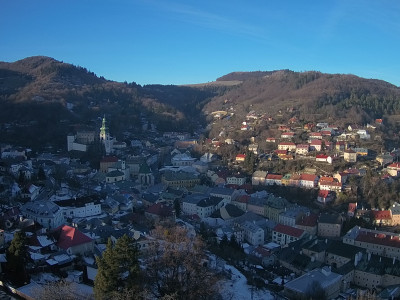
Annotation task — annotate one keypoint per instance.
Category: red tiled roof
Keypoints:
(316, 142)
(109, 159)
(308, 177)
(274, 176)
(381, 214)
(378, 239)
(160, 209)
(241, 156)
(352, 207)
(326, 178)
(323, 193)
(309, 221)
(322, 156)
(280, 151)
(315, 134)
(70, 236)
(288, 230)
(395, 165)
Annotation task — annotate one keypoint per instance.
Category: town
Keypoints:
(283, 214)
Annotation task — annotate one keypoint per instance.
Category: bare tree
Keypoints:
(177, 266)
(60, 290)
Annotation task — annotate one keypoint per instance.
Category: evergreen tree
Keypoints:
(41, 175)
(177, 207)
(118, 269)
(16, 258)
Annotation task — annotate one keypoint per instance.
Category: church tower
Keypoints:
(105, 136)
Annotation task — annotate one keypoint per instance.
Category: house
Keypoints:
(284, 234)
(80, 207)
(253, 148)
(287, 135)
(292, 214)
(240, 157)
(160, 212)
(330, 225)
(395, 211)
(308, 180)
(376, 242)
(256, 205)
(361, 151)
(72, 240)
(272, 179)
(207, 206)
(253, 234)
(351, 210)
(107, 162)
(288, 146)
(115, 176)
(227, 194)
(46, 213)
(189, 203)
(340, 146)
(316, 145)
(182, 159)
(179, 179)
(236, 179)
(363, 134)
(329, 282)
(330, 185)
(258, 178)
(270, 140)
(323, 158)
(382, 217)
(384, 159)
(393, 169)
(350, 155)
(302, 149)
(308, 223)
(315, 136)
(325, 196)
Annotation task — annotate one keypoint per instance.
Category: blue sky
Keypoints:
(180, 42)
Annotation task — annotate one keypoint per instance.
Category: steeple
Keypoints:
(105, 136)
(103, 129)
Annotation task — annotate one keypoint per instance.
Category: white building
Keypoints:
(253, 233)
(46, 213)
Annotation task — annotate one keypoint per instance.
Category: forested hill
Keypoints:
(45, 97)
(313, 95)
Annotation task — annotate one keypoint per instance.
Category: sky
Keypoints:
(187, 41)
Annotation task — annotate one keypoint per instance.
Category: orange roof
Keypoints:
(382, 214)
(309, 177)
(326, 178)
(70, 236)
(288, 230)
(274, 176)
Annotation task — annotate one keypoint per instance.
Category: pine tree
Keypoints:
(118, 269)
(16, 258)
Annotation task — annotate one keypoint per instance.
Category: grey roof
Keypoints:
(330, 218)
(41, 208)
(324, 277)
(194, 198)
(222, 191)
(345, 250)
(211, 201)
